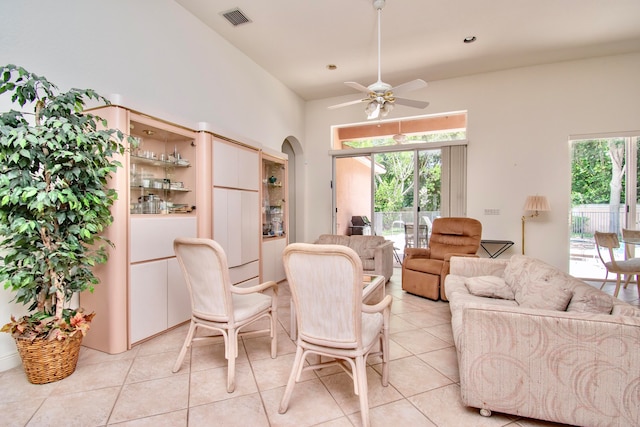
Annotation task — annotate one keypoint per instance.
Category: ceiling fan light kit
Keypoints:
(380, 95)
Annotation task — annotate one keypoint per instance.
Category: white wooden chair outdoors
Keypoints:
(218, 305)
(326, 284)
(630, 267)
(629, 253)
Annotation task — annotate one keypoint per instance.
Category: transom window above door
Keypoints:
(436, 128)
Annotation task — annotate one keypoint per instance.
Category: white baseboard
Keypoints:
(9, 361)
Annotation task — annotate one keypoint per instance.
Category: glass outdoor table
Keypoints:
(498, 247)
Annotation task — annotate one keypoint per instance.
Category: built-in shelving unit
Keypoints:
(168, 171)
(161, 172)
(274, 215)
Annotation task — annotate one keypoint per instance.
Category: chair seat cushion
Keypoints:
(431, 266)
(245, 306)
(630, 265)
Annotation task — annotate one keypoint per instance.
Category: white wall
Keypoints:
(518, 129)
(162, 61)
(160, 58)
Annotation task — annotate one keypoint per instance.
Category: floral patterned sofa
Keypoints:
(375, 252)
(533, 341)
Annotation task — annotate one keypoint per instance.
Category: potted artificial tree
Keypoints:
(54, 204)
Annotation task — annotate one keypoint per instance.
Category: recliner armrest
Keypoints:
(417, 253)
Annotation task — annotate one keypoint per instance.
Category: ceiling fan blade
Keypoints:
(358, 87)
(345, 104)
(409, 86)
(412, 103)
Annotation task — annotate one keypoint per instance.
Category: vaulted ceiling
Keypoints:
(295, 40)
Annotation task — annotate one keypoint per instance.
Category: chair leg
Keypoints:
(360, 376)
(232, 353)
(606, 275)
(629, 280)
(297, 366)
(185, 346)
(274, 333)
(384, 345)
(615, 293)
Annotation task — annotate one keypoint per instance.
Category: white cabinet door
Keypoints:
(250, 228)
(152, 237)
(227, 223)
(225, 164)
(147, 300)
(248, 170)
(236, 224)
(235, 166)
(178, 299)
(272, 266)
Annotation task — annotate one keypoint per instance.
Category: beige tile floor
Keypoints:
(137, 388)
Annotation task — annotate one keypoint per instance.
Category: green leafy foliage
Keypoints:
(55, 202)
(591, 174)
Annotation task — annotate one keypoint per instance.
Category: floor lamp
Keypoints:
(535, 204)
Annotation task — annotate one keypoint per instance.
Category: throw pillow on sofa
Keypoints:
(489, 286)
(587, 300)
(544, 295)
(625, 310)
(522, 270)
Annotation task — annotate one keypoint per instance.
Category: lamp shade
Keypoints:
(537, 203)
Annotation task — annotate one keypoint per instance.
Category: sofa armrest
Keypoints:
(550, 365)
(472, 267)
(383, 259)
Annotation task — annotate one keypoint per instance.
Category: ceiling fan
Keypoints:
(381, 96)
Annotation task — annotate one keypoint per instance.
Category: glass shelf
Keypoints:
(161, 163)
(140, 187)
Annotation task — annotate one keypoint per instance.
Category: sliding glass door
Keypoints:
(406, 187)
(604, 197)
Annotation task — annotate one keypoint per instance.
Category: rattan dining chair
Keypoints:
(326, 283)
(219, 306)
(630, 267)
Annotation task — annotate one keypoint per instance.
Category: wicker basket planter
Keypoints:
(48, 361)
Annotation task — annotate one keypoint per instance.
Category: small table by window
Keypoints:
(497, 247)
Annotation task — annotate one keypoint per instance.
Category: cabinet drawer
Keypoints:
(244, 272)
(152, 238)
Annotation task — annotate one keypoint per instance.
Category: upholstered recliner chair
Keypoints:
(424, 269)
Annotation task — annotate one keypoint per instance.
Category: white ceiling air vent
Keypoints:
(236, 17)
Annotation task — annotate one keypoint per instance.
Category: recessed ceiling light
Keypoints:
(470, 39)
(332, 67)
